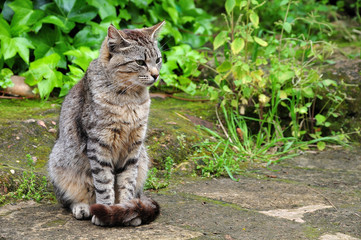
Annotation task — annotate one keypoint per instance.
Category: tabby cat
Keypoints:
(99, 163)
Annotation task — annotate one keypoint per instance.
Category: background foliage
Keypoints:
(257, 60)
(52, 42)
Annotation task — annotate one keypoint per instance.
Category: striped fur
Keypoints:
(99, 157)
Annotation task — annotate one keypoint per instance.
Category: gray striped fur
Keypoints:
(99, 156)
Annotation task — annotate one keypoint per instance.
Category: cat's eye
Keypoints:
(141, 62)
(158, 60)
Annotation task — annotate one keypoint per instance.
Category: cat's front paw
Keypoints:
(135, 222)
(96, 221)
(80, 211)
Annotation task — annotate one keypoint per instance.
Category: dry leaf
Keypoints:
(240, 134)
(42, 124)
(52, 130)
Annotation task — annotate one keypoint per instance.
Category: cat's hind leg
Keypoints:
(74, 191)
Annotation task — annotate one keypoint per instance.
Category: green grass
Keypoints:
(31, 186)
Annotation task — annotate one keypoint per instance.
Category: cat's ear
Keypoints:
(154, 31)
(116, 39)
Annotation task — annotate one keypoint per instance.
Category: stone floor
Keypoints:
(313, 196)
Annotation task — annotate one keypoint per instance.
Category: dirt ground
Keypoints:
(313, 196)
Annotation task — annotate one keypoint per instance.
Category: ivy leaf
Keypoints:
(5, 78)
(237, 45)
(70, 12)
(11, 46)
(51, 80)
(260, 41)
(42, 72)
(4, 27)
(50, 19)
(230, 5)
(8, 47)
(22, 47)
(220, 39)
(124, 14)
(105, 8)
(24, 16)
(83, 56)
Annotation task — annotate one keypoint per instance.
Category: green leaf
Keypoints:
(321, 146)
(218, 79)
(54, 20)
(260, 41)
(76, 10)
(254, 19)
(4, 27)
(24, 16)
(284, 76)
(224, 67)
(220, 39)
(307, 92)
(44, 69)
(287, 27)
(237, 45)
(5, 78)
(83, 56)
(284, 2)
(226, 89)
(242, 4)
(42, 73)
(234, 103)
(230, 5)
(105, 8)
(302, 110)
(320, 119)
(70, 12)
(8, 47)
(328, 82)
(123, 14)
(22, 47)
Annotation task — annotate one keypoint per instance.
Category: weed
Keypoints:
(31, 187)
(155, 180)
(272, 103)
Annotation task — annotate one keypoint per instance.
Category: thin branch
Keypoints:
(224, 130)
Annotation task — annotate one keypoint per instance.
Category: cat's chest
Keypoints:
(133, 114)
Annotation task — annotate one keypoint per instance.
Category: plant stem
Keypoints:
(284, 20)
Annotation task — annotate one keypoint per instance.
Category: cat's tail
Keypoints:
(144, 208)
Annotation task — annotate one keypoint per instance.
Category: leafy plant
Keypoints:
(31, 186)
(273, 103)
(5, 78)
(69, 34)
(154, 181)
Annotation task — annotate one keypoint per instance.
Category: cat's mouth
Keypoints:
(147, 81)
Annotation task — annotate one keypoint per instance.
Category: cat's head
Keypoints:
(132, 57)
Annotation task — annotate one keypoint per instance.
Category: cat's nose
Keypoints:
(155, 76)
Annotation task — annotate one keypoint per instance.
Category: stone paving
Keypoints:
(313, 196)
